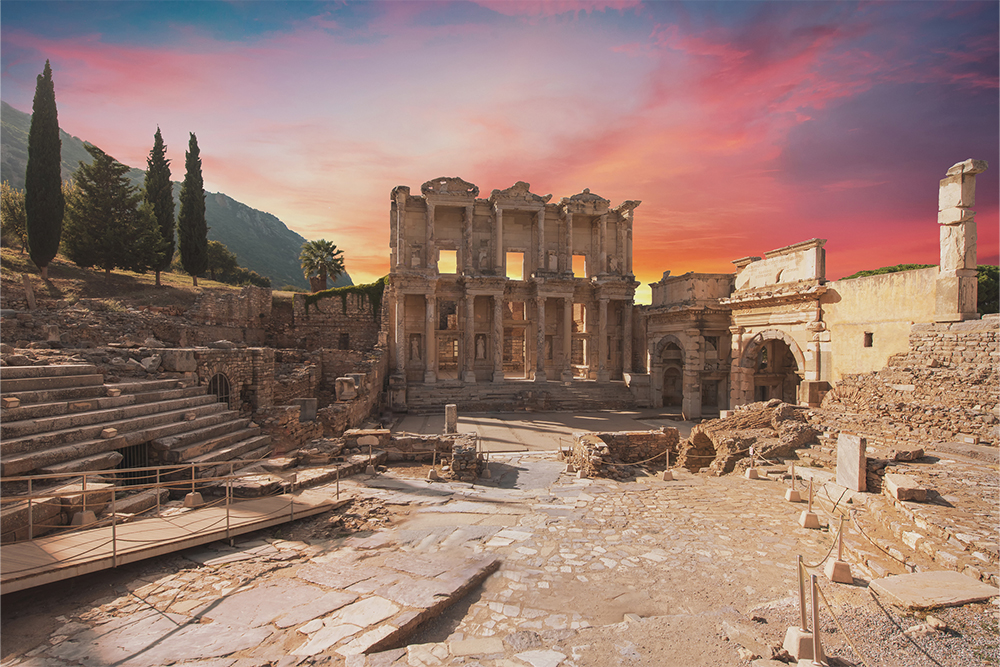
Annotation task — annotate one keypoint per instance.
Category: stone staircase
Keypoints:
(64, 419)
(518, 395)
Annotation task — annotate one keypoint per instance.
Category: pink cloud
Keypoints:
(536, 9)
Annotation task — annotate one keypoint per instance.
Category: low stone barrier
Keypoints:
(612, 454)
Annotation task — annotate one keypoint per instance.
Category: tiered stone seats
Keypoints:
(516, 395)
(67, 420)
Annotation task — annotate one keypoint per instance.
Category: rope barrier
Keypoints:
(829, 551)
(857, 525)
(893, 621)
(822, 596)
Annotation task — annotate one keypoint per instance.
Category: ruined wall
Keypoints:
(240, 317)
(611, 454)
(287, 433)
(250, 372)
(869, 319)
(336, 323)
(342, 415)
(946, 385)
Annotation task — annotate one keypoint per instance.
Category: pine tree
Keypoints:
(159, 194)
(43, 201)
(107, 223)
(192, 229)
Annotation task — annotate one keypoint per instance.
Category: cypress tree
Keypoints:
(43, 198)
(159, 194)
(192, 229)
(107, 223)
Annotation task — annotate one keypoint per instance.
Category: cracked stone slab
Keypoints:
(927, 590)
(256, 607)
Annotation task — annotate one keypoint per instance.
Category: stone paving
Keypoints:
(589, 571)
(540, 431)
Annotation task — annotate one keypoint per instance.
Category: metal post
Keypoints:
(817, 649)
(793, 475)
(192, 478)
(338, 483)
(84, 493)
(157, 492)
(31, 523)
(114, 532)
(810, 494)
(228, 496)
(840, 540)
(803, 621)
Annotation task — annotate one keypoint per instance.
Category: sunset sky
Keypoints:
(742, 126)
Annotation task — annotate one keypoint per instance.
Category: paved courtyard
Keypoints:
(698, 571)
(541, 431)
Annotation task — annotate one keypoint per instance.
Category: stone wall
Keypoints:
(944, 387)
(610, 454)
(250, 372)
(335, 323)
(342, 415)
(287, 433)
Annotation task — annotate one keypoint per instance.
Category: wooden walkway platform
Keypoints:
(57, 557)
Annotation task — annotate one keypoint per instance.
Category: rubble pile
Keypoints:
(773, 428)
(466, 464)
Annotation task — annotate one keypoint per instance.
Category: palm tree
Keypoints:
(320, 259)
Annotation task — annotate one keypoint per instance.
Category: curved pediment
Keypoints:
(585, 203)
(519, 193)
(450, 186)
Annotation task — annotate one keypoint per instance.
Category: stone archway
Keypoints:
(774, 365)
(667, 372)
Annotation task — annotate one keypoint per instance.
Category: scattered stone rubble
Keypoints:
(774, 429)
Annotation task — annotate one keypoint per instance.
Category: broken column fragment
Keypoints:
(957, 281)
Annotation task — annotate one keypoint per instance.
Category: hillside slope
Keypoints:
(260, 240)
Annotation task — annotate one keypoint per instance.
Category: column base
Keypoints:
(839, 572)
(793, 496)
(809, 520)
(540, 376)
(799, 644)
(430, 377)
(566, 376)
(603, 376)
(498, 376)
(469, 377)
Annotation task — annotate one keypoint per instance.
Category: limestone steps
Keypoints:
(55, 395)
(118, 417)
(46, 371)
(11, 385)
(58, 408)
(195, 450)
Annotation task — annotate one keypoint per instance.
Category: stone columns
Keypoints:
(542, 261)
(957, 282)
(694, 361)
(602, 338)
(569, 243)
(467, 241)
(469, 344)
(620, 250)
(430, 250)
(567, 369)
(628, 249)
(602, 266)
(540, 339)
(430, 342)
(627, 337)
(499, 265)
(401, 343)
(400, 231)
(498, 338)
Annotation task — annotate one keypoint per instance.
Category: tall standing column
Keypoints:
(602, 266)
(620, 249)
(467, 238)
(469, 372)
(430, 344)
(431, 249)
(542, 259)
(567, 366)
(401, 346)
(498, 260)
(540, 339)
(400, 231)
(628, 250)
(957, 281)
(568, 266)
(602, 341)
(498, 338)
(627, 337)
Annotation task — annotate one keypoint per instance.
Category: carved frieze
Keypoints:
(585, 203)
(518, 195)
(450, 187)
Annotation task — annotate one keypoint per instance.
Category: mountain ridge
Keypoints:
(260, 240)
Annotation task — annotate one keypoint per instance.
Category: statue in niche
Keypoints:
(553, 262)
(415, 347)
(480, 346)
(482, 258)
(613, 264)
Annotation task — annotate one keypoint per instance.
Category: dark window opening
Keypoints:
(345, 341)
(869, 338)
(136, 456)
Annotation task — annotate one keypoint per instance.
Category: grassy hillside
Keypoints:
(260, 241)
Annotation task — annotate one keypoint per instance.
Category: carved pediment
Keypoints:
(449, 186)
(585, 203)
(519, 193)
(626, 207)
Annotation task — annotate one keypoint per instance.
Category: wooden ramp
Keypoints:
(57, 557)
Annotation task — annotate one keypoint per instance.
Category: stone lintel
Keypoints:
(796, 247)
(969, 166)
